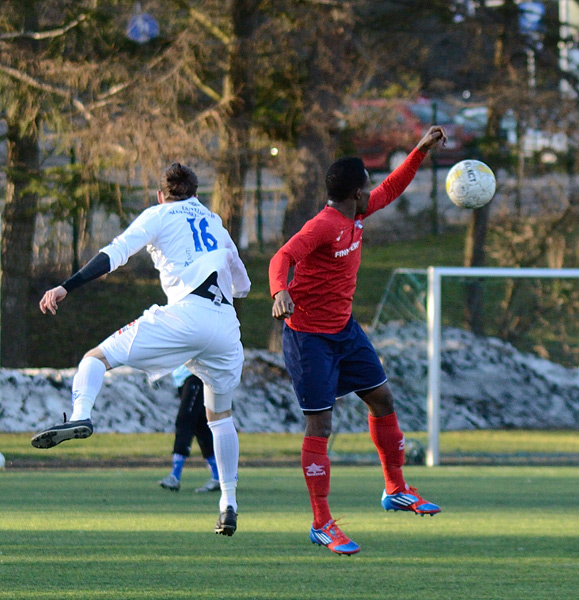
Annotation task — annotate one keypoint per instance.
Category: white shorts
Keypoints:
(194, 331)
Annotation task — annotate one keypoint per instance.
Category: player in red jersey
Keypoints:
(326, 352)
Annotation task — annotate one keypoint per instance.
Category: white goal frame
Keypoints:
(434, 276)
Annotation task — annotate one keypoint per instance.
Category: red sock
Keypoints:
(389, 441)
(316, 467)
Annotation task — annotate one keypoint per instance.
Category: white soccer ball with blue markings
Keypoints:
(470, 184)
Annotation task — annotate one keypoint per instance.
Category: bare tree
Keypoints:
(47, 83)
(68, 68)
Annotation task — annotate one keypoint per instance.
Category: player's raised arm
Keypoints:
(433, 137)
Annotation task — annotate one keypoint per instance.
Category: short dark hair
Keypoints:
(345, 176)
(178, 182)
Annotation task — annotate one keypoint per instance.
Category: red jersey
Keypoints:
(326, 253)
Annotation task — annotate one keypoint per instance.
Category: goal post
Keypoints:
(434, 321)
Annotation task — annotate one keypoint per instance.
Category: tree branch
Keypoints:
(46, 87)
(84, 110)
(204, 88)
(43, 35)
(201, 18)
(335, 3)
(105, 97)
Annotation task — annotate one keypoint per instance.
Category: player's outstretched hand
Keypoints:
(283, 306)
(51, 298)
(433, 137)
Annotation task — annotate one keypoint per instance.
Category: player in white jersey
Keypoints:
(201, 273)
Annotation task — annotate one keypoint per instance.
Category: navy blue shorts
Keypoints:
(325, 366)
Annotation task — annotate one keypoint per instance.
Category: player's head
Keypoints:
(178, 182)
(344, 177)
(347, 178)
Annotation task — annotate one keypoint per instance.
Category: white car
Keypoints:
(548, 144)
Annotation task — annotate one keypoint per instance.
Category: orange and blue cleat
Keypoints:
(331, 536)
(409, 500)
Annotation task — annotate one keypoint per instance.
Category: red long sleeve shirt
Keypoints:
(326, 253)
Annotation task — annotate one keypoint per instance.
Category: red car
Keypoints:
(391, 129)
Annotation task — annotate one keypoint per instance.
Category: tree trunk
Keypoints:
(18, 226)
(475, 257)
(228, 196)
(305, 174)
(477, 230)
(234, 149)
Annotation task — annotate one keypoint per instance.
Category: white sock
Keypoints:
(226, 446)
(85, 386)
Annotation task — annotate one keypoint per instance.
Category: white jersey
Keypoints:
(187, 242)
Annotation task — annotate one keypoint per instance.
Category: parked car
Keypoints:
(548, 146)
(385, 131)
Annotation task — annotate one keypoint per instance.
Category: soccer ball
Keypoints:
(470, 184)
(414, 452)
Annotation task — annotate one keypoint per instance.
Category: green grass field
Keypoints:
(505, 533)
(274, 448)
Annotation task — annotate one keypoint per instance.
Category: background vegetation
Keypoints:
(91, 115)
(535, 316)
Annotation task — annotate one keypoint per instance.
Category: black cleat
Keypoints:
(69, 430)
(227, 522)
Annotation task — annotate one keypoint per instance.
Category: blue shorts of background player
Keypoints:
(326, 366)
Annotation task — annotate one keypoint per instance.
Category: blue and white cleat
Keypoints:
(409, 500)
(331, 536)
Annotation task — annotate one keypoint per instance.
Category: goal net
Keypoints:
(518, 374)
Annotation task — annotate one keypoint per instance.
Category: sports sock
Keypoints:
(389, 441)
(226, 446)
(178, 464)
(85, 386)
(212, 464)
(316, 467)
